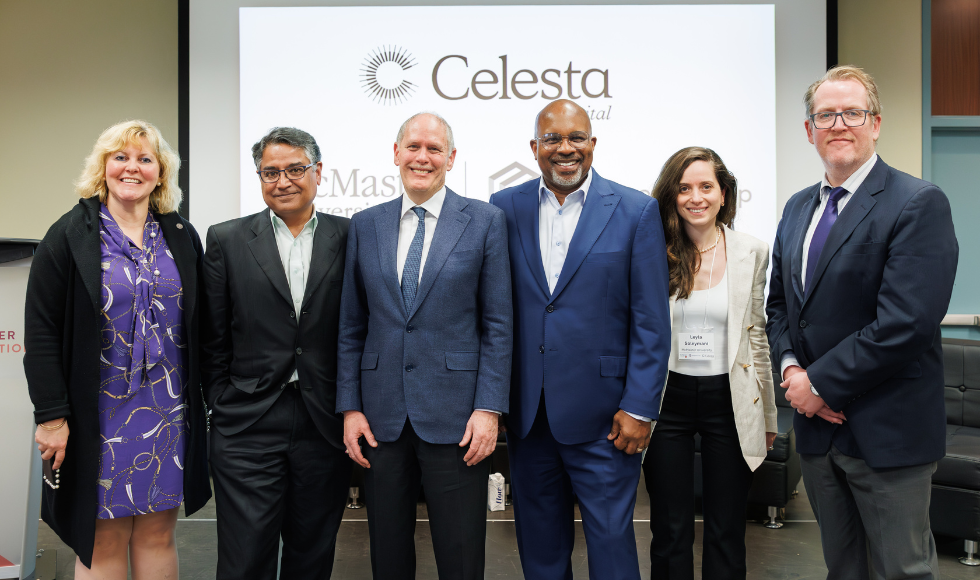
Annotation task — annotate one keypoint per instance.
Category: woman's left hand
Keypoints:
(770, 438)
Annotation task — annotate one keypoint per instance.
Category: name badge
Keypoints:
(696, 345)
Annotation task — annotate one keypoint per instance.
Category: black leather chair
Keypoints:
(776, 480)
(955, 507)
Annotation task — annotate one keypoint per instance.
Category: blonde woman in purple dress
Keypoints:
(112, 361)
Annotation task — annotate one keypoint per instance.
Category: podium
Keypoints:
(20, 462)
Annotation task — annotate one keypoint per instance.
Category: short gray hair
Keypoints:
(449, 130)
(287, 136)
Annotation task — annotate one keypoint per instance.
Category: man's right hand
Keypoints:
(355, 427)
(824, 412)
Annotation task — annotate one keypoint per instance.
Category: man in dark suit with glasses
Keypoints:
(862, 272)
(272, 285)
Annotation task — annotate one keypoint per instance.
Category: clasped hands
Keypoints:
(799, 395)
(480, 435)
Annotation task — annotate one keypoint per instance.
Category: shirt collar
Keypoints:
(280, 226)
(544, 193)
(433, 205)
(856, 179)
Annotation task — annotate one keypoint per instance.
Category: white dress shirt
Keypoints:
(851, 184)
(409, 223)
(295, 253)
(557, 223)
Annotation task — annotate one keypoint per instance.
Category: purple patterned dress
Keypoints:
(142, 402)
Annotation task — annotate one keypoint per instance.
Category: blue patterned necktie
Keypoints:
(410, 273)
(821, 232)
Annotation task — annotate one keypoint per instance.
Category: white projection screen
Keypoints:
(654, 78)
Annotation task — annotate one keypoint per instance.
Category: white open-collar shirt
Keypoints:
(556, 226)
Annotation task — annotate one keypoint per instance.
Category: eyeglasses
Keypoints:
(292, 173)
(577, 139)
(851, 118)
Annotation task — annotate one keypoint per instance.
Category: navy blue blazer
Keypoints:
(601, 341)
(867, 330)
(451, 353)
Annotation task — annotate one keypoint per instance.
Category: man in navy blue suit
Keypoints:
(591, 342)
(862, 272)
(426, 329)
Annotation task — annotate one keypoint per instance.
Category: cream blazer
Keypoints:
(750, 374)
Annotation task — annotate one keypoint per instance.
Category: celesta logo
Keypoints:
(549, 84)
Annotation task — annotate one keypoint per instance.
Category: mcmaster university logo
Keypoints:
(383, 75)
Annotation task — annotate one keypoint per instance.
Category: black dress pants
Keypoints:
(455, 495)
(278, 478)
(697, 405)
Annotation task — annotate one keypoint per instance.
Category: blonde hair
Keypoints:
(166, 197)
(845, 72)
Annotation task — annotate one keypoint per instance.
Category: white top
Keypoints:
(409, 223)
(706, 311)
(296, 254)
(557, 223)
(851, 184)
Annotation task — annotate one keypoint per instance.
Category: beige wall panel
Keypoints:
(884, 37)
(70, 69)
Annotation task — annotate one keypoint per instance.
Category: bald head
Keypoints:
(561, 108)
(565, 156)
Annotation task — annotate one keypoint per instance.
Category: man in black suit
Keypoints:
(272, 285)
(862, 272)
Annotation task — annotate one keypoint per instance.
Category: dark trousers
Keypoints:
(697, 405)
(455, 495)
(279, 477)
(881, 513)
(547, 476)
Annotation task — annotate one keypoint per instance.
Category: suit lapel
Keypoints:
(452, 221)
(386, 226)
(854, 212)
(266, 253)
(599, 206)
(325, 252)
(84, 241)
(526, 210)
(802, 225)
(740, 270)
(185, 256)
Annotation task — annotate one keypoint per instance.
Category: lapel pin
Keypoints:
(180, 226)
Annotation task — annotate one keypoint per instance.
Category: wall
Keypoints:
(884, 37)
(71, 68)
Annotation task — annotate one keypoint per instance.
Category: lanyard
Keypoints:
(704, 322)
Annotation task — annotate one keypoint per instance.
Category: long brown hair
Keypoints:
(683, 258)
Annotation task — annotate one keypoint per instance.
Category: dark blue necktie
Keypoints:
(410, 273)
(822, 231)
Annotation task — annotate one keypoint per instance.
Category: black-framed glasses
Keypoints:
(850, 117)
(577, 139)
(292, 173)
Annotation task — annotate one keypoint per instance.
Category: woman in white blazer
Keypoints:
(720, 379)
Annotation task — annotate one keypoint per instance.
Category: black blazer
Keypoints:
(63, 336)
(867, 330)
(253, 340)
